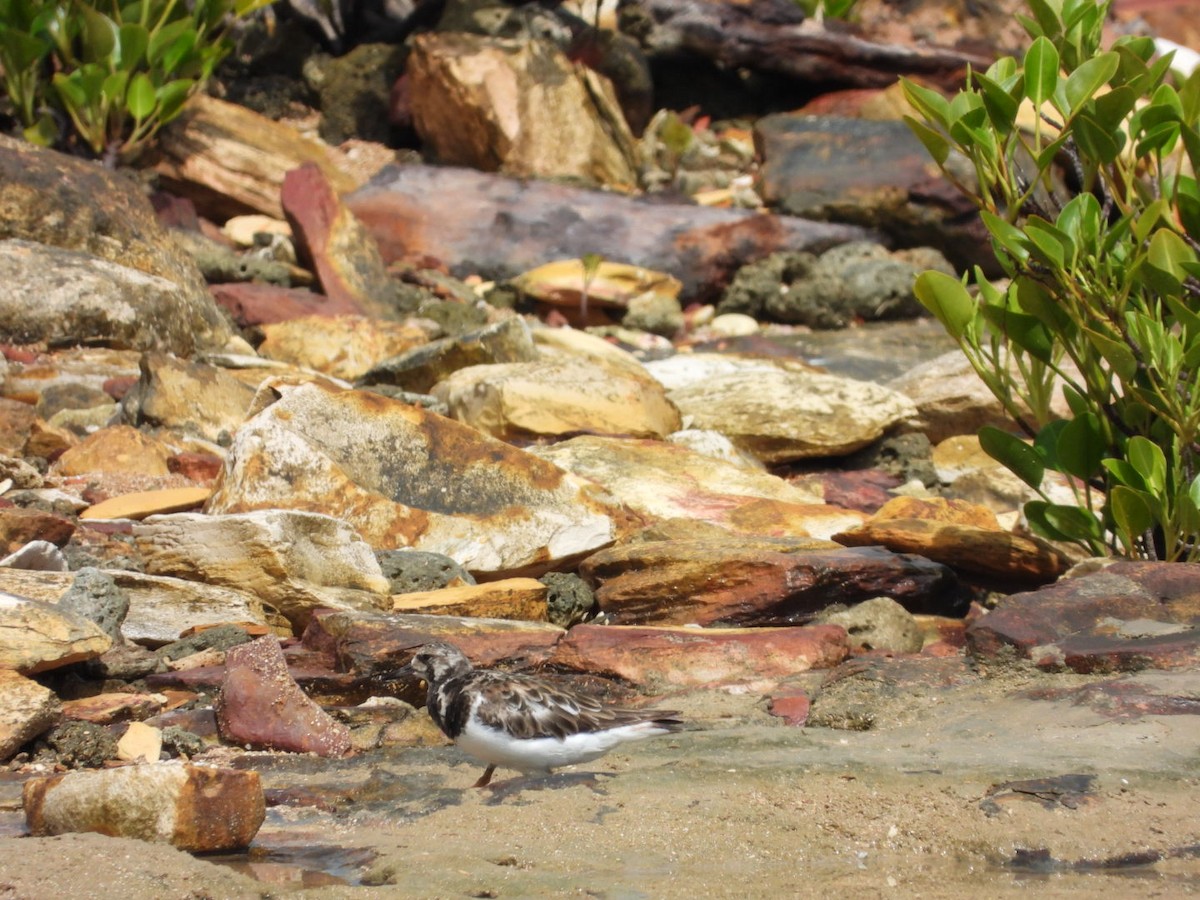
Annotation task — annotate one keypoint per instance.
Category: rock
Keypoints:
(521, 107)
(140, 743)
(85, 298)
(569, 599)
(108, 708)
(35, 636)
(959, 534)
(230, 160)
(343, 346)
(295, 561)
(1127, 617)
(877, 624)
(251, 304)
(422, 213)
(82, 368)
(81, 745)
(551, 398)
(874, 174)
(951, 399)
(401, 476)
(260, 705)
(658, 658)
(755, 582)
(140, 504)
(94, 595)
(334, 242)
(40, 556)
(118, 449)
(655, 314)
(580, 289)
(355, 90)
(72, 204)
(571, 343)
(664, 481)
(373, 644)
(219, 638)
(782, 416)
(160, 609)
(855, 696)
(418, 370)
(194, 808)
(26, 710)
(193, 397)
(415, 570)
(854, 282)
(17, 421)
(509, 598)
(791, 706)
(19, 527)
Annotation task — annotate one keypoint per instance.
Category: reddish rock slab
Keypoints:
(105, 709)
(194, 808)
(261, 705)
(708, 582)
(1174, 693)
(793, 708)
(1126, 617)
(657, 658)
(381, 643)
(250, 303)
(20, 526)
(498, 227)
(341, 251)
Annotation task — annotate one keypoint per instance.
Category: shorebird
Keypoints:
(523, 722)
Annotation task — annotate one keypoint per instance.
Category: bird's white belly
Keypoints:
(542, 754)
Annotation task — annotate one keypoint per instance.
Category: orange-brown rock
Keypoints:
(36, 636)
(20, 526)
(26, 710)
(342, 346)
(658, 658)
(509, 598)
(517, 106)
(107, 708)
(194, 808)
(747, 581)
(230, 160)
(959, 534)
(119, 449)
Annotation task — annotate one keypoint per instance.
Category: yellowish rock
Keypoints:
(119, 449)
(140, 743)
(511, 598)
(140, 504)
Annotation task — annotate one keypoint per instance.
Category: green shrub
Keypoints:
(116, 72)
(1094, 213)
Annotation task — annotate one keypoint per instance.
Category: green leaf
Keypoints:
(1023, 330)
(928, 102)
(1115, 353)
(1046, 443)
(1000, 104)
(1166, 256)
(1097, 141)
(1063, 523)
(1131, 513)
(162, 39)
(934, 142)
(99, 35)
(1054, 245)
(1041, 71)
(172, 96)
(1007, 236)
(1081, 446)
(132, 41)
(1149, 461)
(947, 299)
(142, 97)
(1034, 299)
(1088, 78)
(1014, 454)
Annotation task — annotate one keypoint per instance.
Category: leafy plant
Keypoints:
(117, 72)
(827, 9)
(1094, 213)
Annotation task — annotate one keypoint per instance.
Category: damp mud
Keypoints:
(972, 786)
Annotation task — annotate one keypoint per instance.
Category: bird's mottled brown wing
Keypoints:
(530, 708)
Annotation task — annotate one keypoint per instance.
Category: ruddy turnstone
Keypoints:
(522, 722)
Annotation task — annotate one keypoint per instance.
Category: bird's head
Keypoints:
(438, 661)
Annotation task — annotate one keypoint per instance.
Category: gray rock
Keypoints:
(569, 599)
(222, 637)
(94, 595)
(419, 570)
(877, 624)
(81, 745)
